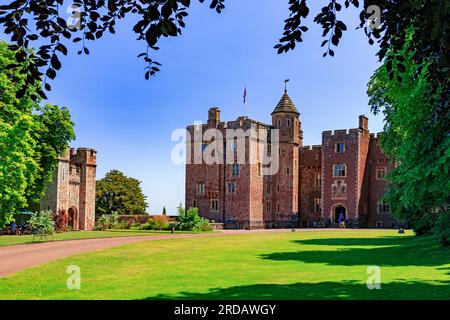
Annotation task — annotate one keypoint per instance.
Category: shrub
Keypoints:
(107, 221)
(43, 221)
(135, 226)
(190, 220)
(60, 219)
(205, 225)
(161, 222)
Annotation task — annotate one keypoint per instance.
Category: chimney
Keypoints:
(213, 117)
(363, 123)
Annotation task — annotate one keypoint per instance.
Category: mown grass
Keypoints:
(6, 240)
(297, 265)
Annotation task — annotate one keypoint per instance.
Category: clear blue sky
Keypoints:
(130, 120)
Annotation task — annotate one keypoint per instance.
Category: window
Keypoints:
(279, 123)
(381, 173)
(278, 207)
(339, 170)
(269, 149)
(259, 169)
(231, 187)
(268, 207)
(267, 184)
(235, 169)
(318, 180)
(201, 188)
(379, 224)
(383, 207)
(278, 188)
(289, 123)
(340, 147)
(214, 205)
(317, 205)
(288, 171)
(194, 204)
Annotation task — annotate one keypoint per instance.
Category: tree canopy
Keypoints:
(31, 138)
(118, 193)
(419, 187)
(52, 23)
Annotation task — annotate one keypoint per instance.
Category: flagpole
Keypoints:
(245, 100)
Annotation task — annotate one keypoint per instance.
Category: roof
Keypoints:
(285, 105)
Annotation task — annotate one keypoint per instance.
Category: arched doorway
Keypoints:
(337, 212)
(72, 218)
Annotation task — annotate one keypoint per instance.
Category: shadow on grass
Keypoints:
(321, 291)
(387, 251)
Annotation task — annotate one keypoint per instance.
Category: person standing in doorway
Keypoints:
(341, 220)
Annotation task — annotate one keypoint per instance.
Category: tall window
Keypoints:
(316, 205)
(279, 123)
(267, 185)
(383, 207)
(288, 171)
(194, 204)
(214, 205)
(259, 169)
(340, 147)
(381, 173)
(268, 207)
(231, 187)
(318, 180)
(201, 188)
(289, 123)
(339, 170)
(235, 169)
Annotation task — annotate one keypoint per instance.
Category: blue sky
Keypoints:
(130, 120)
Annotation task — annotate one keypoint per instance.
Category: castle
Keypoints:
(73, 188)
(311, 186)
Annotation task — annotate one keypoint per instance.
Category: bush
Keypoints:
(190, 220)
(43, 221)
(107, 221)
(149, 225)
(205, 225)
(60, 219)
(161, 222)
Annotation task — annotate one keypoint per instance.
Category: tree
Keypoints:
(17, 166)
(164, 211)
(117, 192)
(416, 135)
(34, 21)
(31, 138)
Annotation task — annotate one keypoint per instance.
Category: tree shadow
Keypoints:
(320, 291)
(387, 251)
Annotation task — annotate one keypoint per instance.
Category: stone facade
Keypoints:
(73, 188)
(311, 187)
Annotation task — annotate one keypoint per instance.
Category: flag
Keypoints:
(245, 95)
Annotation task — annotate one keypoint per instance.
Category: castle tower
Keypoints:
(86, 160)
(285, 183)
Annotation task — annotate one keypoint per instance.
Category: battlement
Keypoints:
(313, 147)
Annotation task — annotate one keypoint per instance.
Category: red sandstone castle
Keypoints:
(311, 187)
(73, 188)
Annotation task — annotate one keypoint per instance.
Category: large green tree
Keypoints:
(31, 137)
(118, 193)
(417, 136)
(49, 25)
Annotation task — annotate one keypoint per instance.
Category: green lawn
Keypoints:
(6, 240)
(297, 265)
